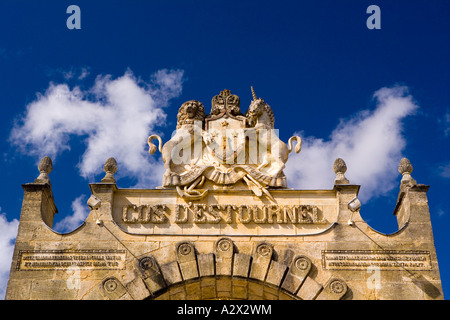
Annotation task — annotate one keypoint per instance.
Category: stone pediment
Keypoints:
(224, 226)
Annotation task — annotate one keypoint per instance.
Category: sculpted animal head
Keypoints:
(189, 112)
(260, 111)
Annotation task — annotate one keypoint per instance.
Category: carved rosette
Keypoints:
(338, 287)
(113, 288)
(146, 263)
(264, 249)
(185, 252)
(334, 289)
(184, 249)
(302, 263)
(110, 285)
(224, 245)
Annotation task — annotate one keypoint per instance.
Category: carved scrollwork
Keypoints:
(184, 249)
(302, 263)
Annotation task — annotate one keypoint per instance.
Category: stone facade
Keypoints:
(248, 237)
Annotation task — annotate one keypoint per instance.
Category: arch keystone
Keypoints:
(298, 271)
(224, 256)
(187, 260)
(334, 289)
(114, 289)
(151, 273)
(261, 261)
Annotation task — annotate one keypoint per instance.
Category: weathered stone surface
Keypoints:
(217, 230)
(241, 265)
(187, 260)
(171, 273)
(334, 289)
(261, 261)
(309, 289)
(299, 269)
(137, 289)
(206, 264)
(224, 256)
(276, 273)
(113, 288)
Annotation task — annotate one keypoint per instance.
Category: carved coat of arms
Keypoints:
(224, 148)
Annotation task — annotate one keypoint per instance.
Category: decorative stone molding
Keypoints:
(224, 256)
(114, 289)
(151, 274)
(334, 289)
(187, 260)
(196, 276)
(297, 273)
(261, 261)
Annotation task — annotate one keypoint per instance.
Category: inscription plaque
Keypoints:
(383, 259)
(65, 259)
(230, 212)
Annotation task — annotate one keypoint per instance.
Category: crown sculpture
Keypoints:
(224, 149)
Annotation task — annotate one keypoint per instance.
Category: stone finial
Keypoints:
(405, 168)
(339, 168)
(110, 168)
(45, 167)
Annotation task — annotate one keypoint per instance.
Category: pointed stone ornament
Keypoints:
(110, 168)
(339, 168)
(45, 167)
(405, 168)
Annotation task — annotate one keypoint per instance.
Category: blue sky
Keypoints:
(368, 96)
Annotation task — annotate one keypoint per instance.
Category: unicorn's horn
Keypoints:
(254, 94)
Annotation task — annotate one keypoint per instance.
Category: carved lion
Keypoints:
(190, 115)
(189, 112)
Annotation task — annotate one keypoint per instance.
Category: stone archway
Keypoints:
(223, 274)
(223, 288)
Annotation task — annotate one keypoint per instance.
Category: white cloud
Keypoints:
(73, 73)
(446, 121)
(84, 73)
(114, 118)
(444, 171)
(80, 213)
(371, 143)
(8, 232)
(68, 74)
